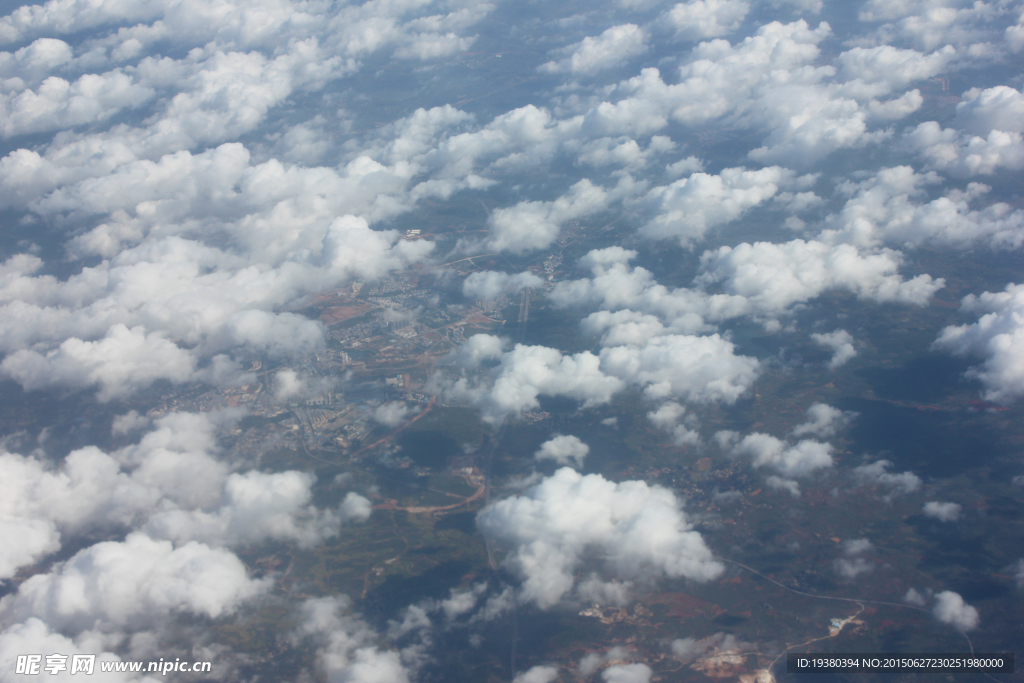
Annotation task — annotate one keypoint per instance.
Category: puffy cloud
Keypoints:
(762, 279)
(564, 449)
(478, 348)
(823, 421)
(912, 597)
(718, 644)
(789, 460)
(951, 609)
(256, 507)
(129, 422)
(856, 546)
(537, 674)
(998, 336)
(134, 583)
(780, 484)
(639, 531)
(672, 417)
(627, 673)
(1019, 573)
(877, 474)
(773, 277)
(393, 413)
(688, 207)
(697, 369)
(534, 225)
(999, 108)
(526, 372)
(841, 343)
(852, 566)
(490, 284)
(34, 636)
(944, 512)
(592, 661)
(705, 18)
(606, 51)
(989, 138)
(971, 27)
(346, 649)
(124, 360)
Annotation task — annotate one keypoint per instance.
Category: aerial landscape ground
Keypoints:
(398, 342)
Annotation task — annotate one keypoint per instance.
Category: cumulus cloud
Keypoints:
(951, 609)
(537, 674)
(639, 531)
(841, 343)
(811, 112)
(998, 336)
(763, 280)
(672, 417)
(593, 54)
(393, 413)
(532, 225)
(823, 421)
(852, 566)
(564, 449)
(884, 210)
(705, 18)
(489, 284)
(912, 597)
(789, 460)
(132, 584)
(627, 673)
(780, 484)
(773, 277)
(944, 512)
(877, 473)
(346, 648)
(687, 208)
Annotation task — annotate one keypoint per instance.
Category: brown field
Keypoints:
(338, 314)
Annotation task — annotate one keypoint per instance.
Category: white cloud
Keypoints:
(129, 422)
(526, 372)
(856, 546)
(257, 507)
(478, 348)
(824, 421)
(841, 343)
(944, 512)
(393, 413)
(877, 473)
(627, 673)
(780, 484)
(134, 583)
(789, 460)
(951, 609)
(532, 225)
(537, 674)
(638, 530)
(564, 449)
(672, 417)
(773, 277)
(912, 597)
(705, 18)
(490, 284)
(998, 336)
(687, 208)
(606, 51)
(691, 368)
(346, 649)
(852, 568)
